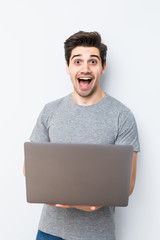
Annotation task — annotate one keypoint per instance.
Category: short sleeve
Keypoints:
(127, 131)
(40, 131)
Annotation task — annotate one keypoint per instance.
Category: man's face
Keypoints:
(85, 69)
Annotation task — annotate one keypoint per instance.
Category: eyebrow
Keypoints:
(79, 55)
(95, 56)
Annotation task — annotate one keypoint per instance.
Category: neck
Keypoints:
(90, 100)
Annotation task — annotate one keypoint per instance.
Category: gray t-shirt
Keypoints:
(63, 121)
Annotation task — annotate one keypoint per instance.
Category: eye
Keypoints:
(77, 62)
(94, 61)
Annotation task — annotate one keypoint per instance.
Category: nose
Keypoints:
(85, 68)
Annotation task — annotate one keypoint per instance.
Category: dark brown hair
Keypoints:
(85, 39)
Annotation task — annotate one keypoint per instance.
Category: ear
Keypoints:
(67, 68)
(104, 68)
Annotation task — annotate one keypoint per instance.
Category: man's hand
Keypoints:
(80, 207)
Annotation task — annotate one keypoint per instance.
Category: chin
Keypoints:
(86, 94)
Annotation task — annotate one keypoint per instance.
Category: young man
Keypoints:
(88, 115)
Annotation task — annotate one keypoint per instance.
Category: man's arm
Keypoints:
(133, 172)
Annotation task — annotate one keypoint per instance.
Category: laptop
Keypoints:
(78, 174)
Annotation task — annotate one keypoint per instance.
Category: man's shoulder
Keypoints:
(116, 105)
(52, 108)
(57, 103)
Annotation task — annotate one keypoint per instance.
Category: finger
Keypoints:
(84, 207)
(51, 204)
(63, 206)
(93, 208)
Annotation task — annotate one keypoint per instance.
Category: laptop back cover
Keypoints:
(78, 174)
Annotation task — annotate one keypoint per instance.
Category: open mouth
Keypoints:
(84, 82)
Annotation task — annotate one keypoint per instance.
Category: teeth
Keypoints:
(85, 78)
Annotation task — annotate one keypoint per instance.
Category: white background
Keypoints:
(32, 73)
